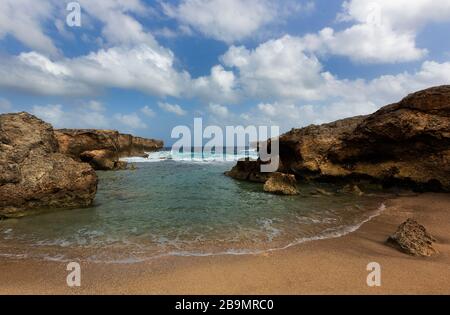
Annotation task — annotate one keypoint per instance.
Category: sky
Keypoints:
(144, 67)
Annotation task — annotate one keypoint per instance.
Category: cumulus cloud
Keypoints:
(24, 20)
(276, 68)
(231, 20)
(226, 20)
(218, 110)
(147, 111)
(384, 31)
(120, 27)
(346, 98)
(132, 121)
(367, 43)
(87, 115)
(144, 68)
(172, 108)
(83, 116)
(219, 86)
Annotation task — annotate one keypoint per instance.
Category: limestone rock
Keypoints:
(413, 239)
(34, 175)
(248, 170)
(103, 148)
(282, 184)
(403, 144)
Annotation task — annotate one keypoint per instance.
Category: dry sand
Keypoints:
(333, 266)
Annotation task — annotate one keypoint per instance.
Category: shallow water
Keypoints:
(177, 207)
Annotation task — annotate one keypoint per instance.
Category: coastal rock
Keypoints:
(282, 184)
(99, 159)
(352, 189)
(33, 174)
(248, 170)
(103, 148)
(403, 144)
(413, 239)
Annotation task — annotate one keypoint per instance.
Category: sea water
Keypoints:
(183, 205)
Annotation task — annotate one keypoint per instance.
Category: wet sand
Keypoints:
(332, 266)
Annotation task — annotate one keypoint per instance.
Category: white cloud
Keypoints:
(232, 20)
(227, 20)
(28, 20)
(385, 31)
(172, 108)
(268, 109)
(347, 98)
(132, 121)
(119, 26)
(24, 20)
(77, 117)
(95, 106)
(219, 86)
(86, 115)
(52, 114)
(144, 68)
(218, 110)
(367, 43)
(147, 111)
(400, 14)
(277, 68)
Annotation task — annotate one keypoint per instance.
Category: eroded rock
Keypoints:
(403, 144)
(413, 239)
(104, 148)
(248, 170)
(282, 184)
(34, 174)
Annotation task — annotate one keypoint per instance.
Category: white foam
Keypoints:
(266, 224)
(161, 156)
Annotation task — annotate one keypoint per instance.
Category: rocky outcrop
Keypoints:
(248, 170)
(103, 148)
(281, 184)
(34, 174)
(407, 143)
(413, 239)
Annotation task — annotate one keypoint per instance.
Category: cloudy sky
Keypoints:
(146, 66)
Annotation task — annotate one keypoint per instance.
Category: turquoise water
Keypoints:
(171, 206)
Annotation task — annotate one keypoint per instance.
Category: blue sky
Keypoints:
(147, 66)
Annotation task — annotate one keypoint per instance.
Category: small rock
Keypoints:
(282, 184)
(121, 166)
(413, 239)
(352, 189)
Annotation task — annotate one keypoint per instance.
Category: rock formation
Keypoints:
(34, 174)
(103, 148)
(248, 170)
(407, 143)
(281, 184)
(413, 239)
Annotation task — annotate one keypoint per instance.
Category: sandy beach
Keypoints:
(332, 266)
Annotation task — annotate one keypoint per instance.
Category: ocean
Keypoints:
(183, 205)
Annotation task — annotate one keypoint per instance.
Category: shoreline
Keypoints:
(328, 266)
